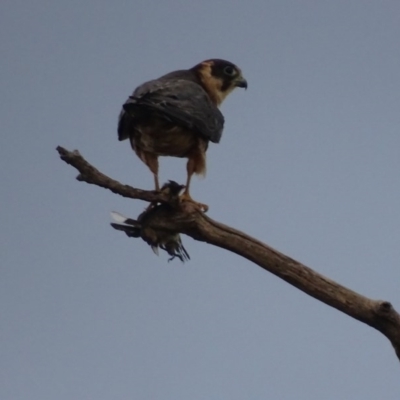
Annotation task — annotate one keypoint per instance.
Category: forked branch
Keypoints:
(185, 219)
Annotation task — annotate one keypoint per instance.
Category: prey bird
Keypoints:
(145, 226)
(177, 115)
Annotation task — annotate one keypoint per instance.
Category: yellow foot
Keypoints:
(200, 206)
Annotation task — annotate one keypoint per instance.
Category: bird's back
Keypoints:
(178, 100)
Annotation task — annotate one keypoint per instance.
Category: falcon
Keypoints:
(177, 115)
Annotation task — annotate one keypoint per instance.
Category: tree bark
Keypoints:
(188, 220)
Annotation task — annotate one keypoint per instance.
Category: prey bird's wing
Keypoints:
(185, 254)
(179, 100)
(155, 249)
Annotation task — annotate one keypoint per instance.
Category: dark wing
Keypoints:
(176, 249)
(180, 101)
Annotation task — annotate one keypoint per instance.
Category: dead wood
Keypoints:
(188, 220)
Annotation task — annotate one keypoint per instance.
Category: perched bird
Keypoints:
(177, 115)
(145, 228)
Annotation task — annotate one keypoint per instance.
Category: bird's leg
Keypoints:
(156, 182)
(152, 163)
(186, 194)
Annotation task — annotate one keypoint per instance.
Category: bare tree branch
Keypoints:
(188, 220)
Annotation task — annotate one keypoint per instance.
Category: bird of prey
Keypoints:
(146, 226)
(177, 115)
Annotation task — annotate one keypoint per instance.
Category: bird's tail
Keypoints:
(130, 226)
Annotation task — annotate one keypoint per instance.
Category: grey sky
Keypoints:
(309, 163)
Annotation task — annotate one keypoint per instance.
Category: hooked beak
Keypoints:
(241, 82)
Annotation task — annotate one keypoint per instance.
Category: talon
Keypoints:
(200, 206)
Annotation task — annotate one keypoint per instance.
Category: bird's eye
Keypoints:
(230, 71)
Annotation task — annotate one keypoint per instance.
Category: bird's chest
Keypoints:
(164, 139)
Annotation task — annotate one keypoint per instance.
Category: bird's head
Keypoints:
(219, 78)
